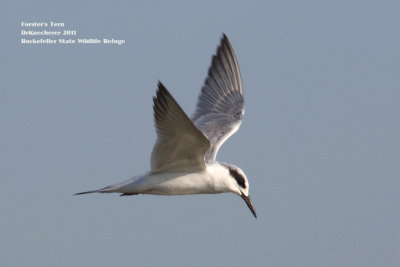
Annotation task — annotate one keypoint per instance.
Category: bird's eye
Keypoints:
(238, 177)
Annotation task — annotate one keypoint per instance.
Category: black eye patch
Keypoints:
(238, 177)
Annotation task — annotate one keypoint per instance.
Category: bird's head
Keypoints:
(239, 185)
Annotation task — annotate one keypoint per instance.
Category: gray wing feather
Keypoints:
(220, 106)
(180, 146)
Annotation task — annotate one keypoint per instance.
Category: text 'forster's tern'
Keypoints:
(183, 158)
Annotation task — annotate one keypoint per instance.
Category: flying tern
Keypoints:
(183, 160)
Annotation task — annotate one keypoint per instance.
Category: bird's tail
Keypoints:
(108, 189)
(115, 188)
(88, 192)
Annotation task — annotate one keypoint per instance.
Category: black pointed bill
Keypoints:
(249, 204)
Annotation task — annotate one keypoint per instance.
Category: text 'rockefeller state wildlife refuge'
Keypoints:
(58, 33)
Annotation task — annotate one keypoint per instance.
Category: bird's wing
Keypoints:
(180, 146)
(220, 106)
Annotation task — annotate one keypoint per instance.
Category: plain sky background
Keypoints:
(319, 142)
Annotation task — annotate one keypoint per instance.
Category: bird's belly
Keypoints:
(179, 184)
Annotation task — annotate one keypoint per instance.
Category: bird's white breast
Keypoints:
(178, 183)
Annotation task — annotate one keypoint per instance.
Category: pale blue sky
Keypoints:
(319, 143)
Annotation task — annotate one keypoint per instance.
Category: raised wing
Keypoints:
(180, 145)
(220, 106)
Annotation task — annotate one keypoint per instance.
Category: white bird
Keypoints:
(183, 160)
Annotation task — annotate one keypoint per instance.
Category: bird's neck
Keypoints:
(218, 177)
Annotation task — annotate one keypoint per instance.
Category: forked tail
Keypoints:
(115, 188)
(108, 189)
(88, 192)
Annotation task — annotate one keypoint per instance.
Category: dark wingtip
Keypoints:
(162, 90)
(225, 39)
(161, 86)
